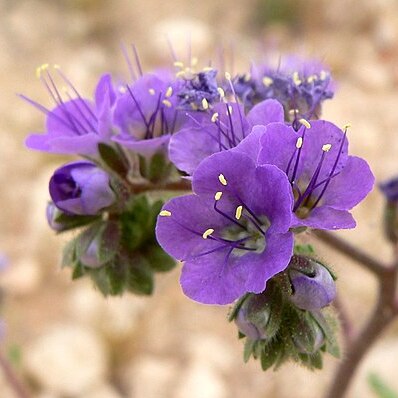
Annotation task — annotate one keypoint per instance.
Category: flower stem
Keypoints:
(373, 265)
(12, 379)
(383, 314)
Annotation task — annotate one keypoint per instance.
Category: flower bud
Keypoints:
(309, 337)
(52, 212)
(313, 285)
(390, 191)
(90, 258)
(81, 188)
(253, 317)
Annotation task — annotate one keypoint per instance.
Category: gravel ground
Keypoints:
(71, 342)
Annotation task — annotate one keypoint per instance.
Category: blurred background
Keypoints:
(64, 338)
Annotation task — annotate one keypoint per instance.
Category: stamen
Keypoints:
(151, 91)
(326, 147)
(214, 117)
(207, 233)
(178, 64)
(347, 126)
(238, 212)
(169, 92)
(323, 75)
(222, 179)
(165, 213)
(218, 195)
(181, 73)
(194, 61)
(205, 104)
(299, 142)
(227, 76)
(267, 81)
(221, 92)
(305, 123)
(311, 78)
(207, 68)
(167, 103)
(296, 79)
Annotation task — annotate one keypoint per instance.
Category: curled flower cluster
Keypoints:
(262, 168)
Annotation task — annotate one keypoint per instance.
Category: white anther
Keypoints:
(207, 233)
(305, 123)
(165, 213)
(222, 179)
(326, 147)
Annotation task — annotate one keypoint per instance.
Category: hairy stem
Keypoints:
(12, 379)
(373, 265)
(383, 314)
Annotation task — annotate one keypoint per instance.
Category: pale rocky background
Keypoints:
(65, 339)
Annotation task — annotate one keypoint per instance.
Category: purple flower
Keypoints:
(146, 114)
(75, 125)
(81, 188)
(232, 233)
(199, 91)
(297, 84)
(312, 291)
(325, 181)
(390, 189)
(221, 129)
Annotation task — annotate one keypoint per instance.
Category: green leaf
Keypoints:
(69, 222)
(78, 271)
(69, 254)
(117, 277)
(158, 259)
(248, 349)
(159, 168)
(113, 159)
(140, 277)
(269, 356)
(381, 389)
(304, 249)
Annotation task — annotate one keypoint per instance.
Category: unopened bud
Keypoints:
(309, 336)
(312, 284)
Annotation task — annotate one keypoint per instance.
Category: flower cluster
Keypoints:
(262, 168)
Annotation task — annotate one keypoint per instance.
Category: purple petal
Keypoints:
(104, 91)
(143, 147)
(213, 281)
(351, 186)
(266, 112)
(251, 144)
(180, 234)
(190, 146)
(326, 218)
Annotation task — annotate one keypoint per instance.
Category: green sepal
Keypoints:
(156, 168)
(248, 349)
(69, 254)
(329, 325)
(268, 358)
(140, 277)
(304, 249)
(158, 260)
(78, 271)
(113, 159)
(69, 221)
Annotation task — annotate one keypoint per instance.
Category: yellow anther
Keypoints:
(311, 78)
(267, 81)
(207, 233)
(45, 66)
(214, 118)
(41, 69)
(169, 92)
(151, 91)
(207, 68)
(323, 75)
(299, 142)
(222, 179)
(165, 213)
(238, 212)
(56, 66)
(347, 126)
(218, 195)
(178, 64)
(326, 147)
(221, 92)
(167, 103)
(205, 104)
(293, 112)
(181, 73)
(305, 123)
(227, 75)
(247, 77)
(194, 61)
(296, 79)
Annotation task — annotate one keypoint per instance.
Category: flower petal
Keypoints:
(266, 112)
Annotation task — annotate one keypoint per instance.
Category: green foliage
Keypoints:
(126, 252)
(379, 387)
(113, 159)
